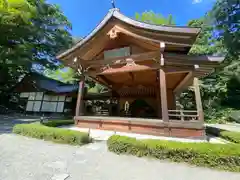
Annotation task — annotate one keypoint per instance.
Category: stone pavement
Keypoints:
(24, 158)
(229, 126)
(7, 122)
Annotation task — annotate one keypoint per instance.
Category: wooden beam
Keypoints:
(176, 71)
(198, 99)
(94, 77)
(183, 82)
(137, 67)
(202, 58)
(132, 76)
(158, 96)
(202, 61)
(122, 60)
(171, 69)
(79, 105)
(133, 68)
(163, 92)
(185, 42)
(120, 86)
(109, 82)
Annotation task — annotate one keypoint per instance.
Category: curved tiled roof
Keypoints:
(48, 84)
(114, 13)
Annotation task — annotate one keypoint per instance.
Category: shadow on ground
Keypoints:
(7, 123)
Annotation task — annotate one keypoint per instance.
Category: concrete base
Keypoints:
(103, 135)
(155, 127)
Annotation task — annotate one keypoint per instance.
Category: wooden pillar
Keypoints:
(158, 102)
(159, 110)
(163, 92)
(79, 105)
(198, 99)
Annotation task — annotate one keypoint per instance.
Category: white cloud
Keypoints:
(196, 1)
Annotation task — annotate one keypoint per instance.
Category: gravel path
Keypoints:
(24, 158)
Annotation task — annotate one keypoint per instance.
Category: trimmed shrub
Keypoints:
(220, 156)
(39, 131)
(56, 123)
(231, 136)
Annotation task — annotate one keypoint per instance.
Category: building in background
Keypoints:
(40, 94)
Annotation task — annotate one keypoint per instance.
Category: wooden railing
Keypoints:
(183, 115)
(102, 112)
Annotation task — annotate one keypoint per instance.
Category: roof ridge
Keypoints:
(115, 12)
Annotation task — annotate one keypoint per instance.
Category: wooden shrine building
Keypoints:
(144, 66)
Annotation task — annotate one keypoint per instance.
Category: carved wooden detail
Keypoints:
(130, 62)
(105, 67)
(113, 33)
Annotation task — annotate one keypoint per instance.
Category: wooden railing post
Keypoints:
(198, 99)
(182, 115)
(79, 105)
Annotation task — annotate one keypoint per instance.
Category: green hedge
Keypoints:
(56, 123)
(231, 136)
(220, 156)
(39, 131)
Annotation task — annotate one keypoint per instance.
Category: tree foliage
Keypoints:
(153, 18)
(226, 19)
(220, 31)
(32, 32)
(206, 43)
(66, 75)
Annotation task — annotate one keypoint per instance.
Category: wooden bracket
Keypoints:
(162, 47)
(109, 82)
(162, 60)
(113, 33)
(183, 82)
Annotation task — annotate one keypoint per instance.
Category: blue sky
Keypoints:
(86, 14)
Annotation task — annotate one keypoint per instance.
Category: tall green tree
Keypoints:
(220, 31)
(34, 32)
(154, 18)
(206, 43)
(226, 19)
